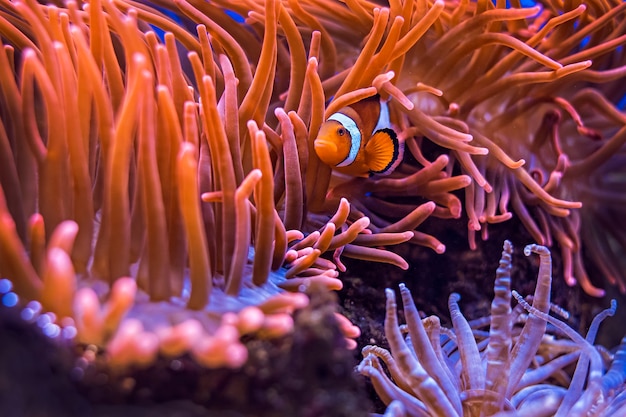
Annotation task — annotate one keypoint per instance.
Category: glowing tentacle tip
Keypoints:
(570, 280)
(237, 355)
(175, 341)
(146, 349)
(131, 345)
(121, 300)
(250, 320)
(89, 322)
(64, 235)
(348, 329)
(59, 282)
(277, 325)
(214, 352)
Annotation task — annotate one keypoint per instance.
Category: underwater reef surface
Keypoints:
(307, 373)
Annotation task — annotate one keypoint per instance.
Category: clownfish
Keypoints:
(358, 140)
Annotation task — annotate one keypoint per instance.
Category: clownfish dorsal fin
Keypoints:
(383, 152)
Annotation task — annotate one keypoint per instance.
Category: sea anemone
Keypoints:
(151, 206)
(516, 366)
(519, 103)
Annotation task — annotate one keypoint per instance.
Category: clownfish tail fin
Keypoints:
(383, 152)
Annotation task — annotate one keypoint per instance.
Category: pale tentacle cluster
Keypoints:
(505, 370)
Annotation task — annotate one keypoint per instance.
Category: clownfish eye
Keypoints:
(341, 131)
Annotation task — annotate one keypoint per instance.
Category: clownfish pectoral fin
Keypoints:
(383, 152)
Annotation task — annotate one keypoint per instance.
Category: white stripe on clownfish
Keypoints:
(384, 121)
(355, 135)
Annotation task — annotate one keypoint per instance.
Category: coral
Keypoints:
(270, 383)
(517, 365)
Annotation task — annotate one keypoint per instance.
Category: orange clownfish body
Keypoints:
(358, 140)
